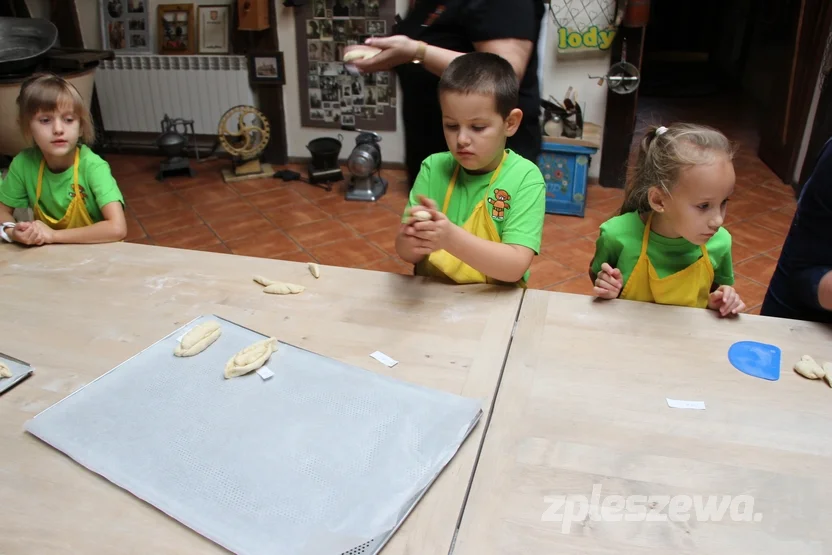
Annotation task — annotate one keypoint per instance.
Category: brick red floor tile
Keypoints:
(320, 233)
(760, 268)
(192, 237)
(349, 253)
(170, 221)
(268, 244)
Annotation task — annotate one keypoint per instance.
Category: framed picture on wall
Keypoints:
(214, 29)
(266, 68)
(176, 29)
(124, 26)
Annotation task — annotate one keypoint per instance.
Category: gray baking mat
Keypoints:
(322, 458)
(20, 371)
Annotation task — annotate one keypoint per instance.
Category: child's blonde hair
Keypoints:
(47, 92)
(663, 155)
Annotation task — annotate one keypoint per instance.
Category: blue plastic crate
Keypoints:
(565, 169)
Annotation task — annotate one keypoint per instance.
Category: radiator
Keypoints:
(135, 92)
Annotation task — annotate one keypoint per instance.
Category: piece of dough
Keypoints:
(360, 52)
(422, 215)
(282, 288)
(263, 281)
(808, 368)
(315, 269)
(251, 358)
(827, 369)
(4, 371)
(198, 339)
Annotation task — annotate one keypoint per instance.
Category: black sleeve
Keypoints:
(501, 19)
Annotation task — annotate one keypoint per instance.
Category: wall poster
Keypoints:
(329, 95)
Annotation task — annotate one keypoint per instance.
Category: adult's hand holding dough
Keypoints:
(251, 358)
(198, 339)
(4, 371)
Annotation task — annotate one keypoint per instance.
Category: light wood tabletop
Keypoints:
(583, 403)
(75, 312)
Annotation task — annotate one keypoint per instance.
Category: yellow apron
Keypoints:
(76, 213)
(442, 264)
(688, 287)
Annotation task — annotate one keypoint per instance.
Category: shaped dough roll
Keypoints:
(4, 371)
(281, 288)
(808, 368)
(263, 281)
(198, 339)
(251, 358)
(314, 269)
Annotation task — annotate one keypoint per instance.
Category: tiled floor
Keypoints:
(298, 221)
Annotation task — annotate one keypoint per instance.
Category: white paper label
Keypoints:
(676, 404)
(265, 373)
(384, 359)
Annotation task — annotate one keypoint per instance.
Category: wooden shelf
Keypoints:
(592, 137)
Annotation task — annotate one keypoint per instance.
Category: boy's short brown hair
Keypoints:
(47, 92)
(483, 73)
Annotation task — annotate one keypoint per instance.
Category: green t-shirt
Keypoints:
(520, 184)
(619, 245)
(19, 189)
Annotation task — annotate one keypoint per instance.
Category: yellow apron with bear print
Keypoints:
(441, 263)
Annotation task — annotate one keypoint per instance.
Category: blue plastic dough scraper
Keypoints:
(756, 359)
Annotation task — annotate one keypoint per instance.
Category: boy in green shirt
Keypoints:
(476, 212)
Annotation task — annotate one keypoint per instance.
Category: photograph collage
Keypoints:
(334, 95)
(126, 25)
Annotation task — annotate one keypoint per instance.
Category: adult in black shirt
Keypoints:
(801, 288)
(509, 28)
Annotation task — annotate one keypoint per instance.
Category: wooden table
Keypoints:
(582, 401)
(75, 312)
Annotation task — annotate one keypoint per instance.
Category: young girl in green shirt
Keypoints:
(668, 245)
(69, 188)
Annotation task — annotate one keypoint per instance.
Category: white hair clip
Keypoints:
(661, 130)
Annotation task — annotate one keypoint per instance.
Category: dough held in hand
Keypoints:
(359, 52)
(808, 368)
(198, 339)
(422, 215)
(281, 288)
(251, 358)
(4, 371)
(315, 270)
(263, 281)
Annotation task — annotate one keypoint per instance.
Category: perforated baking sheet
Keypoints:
(20, 371)
(323, 458)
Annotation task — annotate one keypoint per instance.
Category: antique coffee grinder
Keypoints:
(172, 143)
